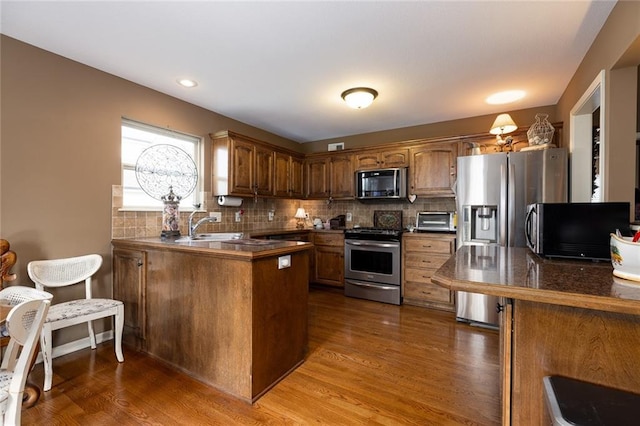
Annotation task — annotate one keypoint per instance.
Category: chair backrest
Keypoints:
(24, 324)
(64, 272)
(16, 294)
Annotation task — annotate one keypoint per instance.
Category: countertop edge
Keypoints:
(208, 251)
(600, 303)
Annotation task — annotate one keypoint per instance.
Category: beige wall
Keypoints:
(465, 126)
(60, 151)
(616, 50)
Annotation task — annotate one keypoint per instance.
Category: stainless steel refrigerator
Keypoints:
(492, 194)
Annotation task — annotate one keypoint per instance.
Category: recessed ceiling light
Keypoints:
(505, 97)
(185, 82)
(359, 97)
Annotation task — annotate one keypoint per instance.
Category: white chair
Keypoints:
(65, 272)
(24, 323)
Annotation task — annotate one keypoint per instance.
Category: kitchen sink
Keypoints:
(215, 236)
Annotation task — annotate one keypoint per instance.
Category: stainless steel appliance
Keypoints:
(492, 194)
(382, 184)
(436, 221)
(575, 230)
(372, 264)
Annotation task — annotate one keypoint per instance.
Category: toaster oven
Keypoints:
(436, 221)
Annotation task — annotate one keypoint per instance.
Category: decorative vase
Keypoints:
(541, 132)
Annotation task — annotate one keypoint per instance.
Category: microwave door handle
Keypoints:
(502, 214)
(528, 227)
(512, 205)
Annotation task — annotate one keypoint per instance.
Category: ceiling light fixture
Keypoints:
(359, 97)
(505, 97)
(185, 82)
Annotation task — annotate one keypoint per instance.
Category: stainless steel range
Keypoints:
(372, 264)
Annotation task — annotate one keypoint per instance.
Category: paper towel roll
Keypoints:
(224, 200)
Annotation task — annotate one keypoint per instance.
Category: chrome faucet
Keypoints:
(192, 227)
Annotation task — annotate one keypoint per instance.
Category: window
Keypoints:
(136, 137)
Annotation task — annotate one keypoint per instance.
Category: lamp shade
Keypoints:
(359, 97)
(503, 124)
(300, 213)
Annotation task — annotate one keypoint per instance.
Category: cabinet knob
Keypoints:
(140, 263)
(499, 307)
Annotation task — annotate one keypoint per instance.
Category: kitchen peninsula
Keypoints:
(564, 318)
(232, 314)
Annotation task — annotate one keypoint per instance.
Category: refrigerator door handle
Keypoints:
(502, 213)
(512, 206)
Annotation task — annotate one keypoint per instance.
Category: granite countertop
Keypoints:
(518, 273)
(242, 248)
(285, 231)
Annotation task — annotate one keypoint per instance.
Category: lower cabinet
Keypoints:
(129, 286)
(422, 255)
(329, 259)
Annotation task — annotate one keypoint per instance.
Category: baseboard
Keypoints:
(77, 345)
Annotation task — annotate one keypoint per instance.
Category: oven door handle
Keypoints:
(370, 244)
(372, 286)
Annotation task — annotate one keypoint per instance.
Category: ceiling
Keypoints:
(281, 66)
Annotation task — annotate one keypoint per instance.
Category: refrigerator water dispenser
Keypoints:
(480, 224)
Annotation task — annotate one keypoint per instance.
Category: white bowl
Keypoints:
(625, 257)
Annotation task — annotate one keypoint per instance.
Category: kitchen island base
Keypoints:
(237, 322)
(584, 344)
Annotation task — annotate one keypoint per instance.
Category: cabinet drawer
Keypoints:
(419, 275)
(427, 245)
(425, 260)
(327, 239)
(426, 291)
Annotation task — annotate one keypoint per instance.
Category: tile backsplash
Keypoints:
(255, 214)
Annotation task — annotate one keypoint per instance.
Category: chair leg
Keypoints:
(12, 417)
(119, 326)
(92, 335)
(46, 346)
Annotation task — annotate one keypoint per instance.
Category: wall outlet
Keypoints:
(284, 261)
(217, 216)
(349, 217)
(238, 216)
(271, 215)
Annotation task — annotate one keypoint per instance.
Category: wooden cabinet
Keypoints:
(241, 166)
(329, 258)
(432, 169)
(422, 255)
(341, 177)
(330, 176)
(235, 321)
(317, 177)
(382, 159)
(129, 286)
(287, 175)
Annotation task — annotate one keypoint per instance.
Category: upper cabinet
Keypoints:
(371, 160)
(288, 175)
(240, 166)
(330, 176)
(432, 169)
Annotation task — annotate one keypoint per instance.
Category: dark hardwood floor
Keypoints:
(368, 363)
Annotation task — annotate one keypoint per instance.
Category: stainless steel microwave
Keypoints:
(575, 230)
(381, 184)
